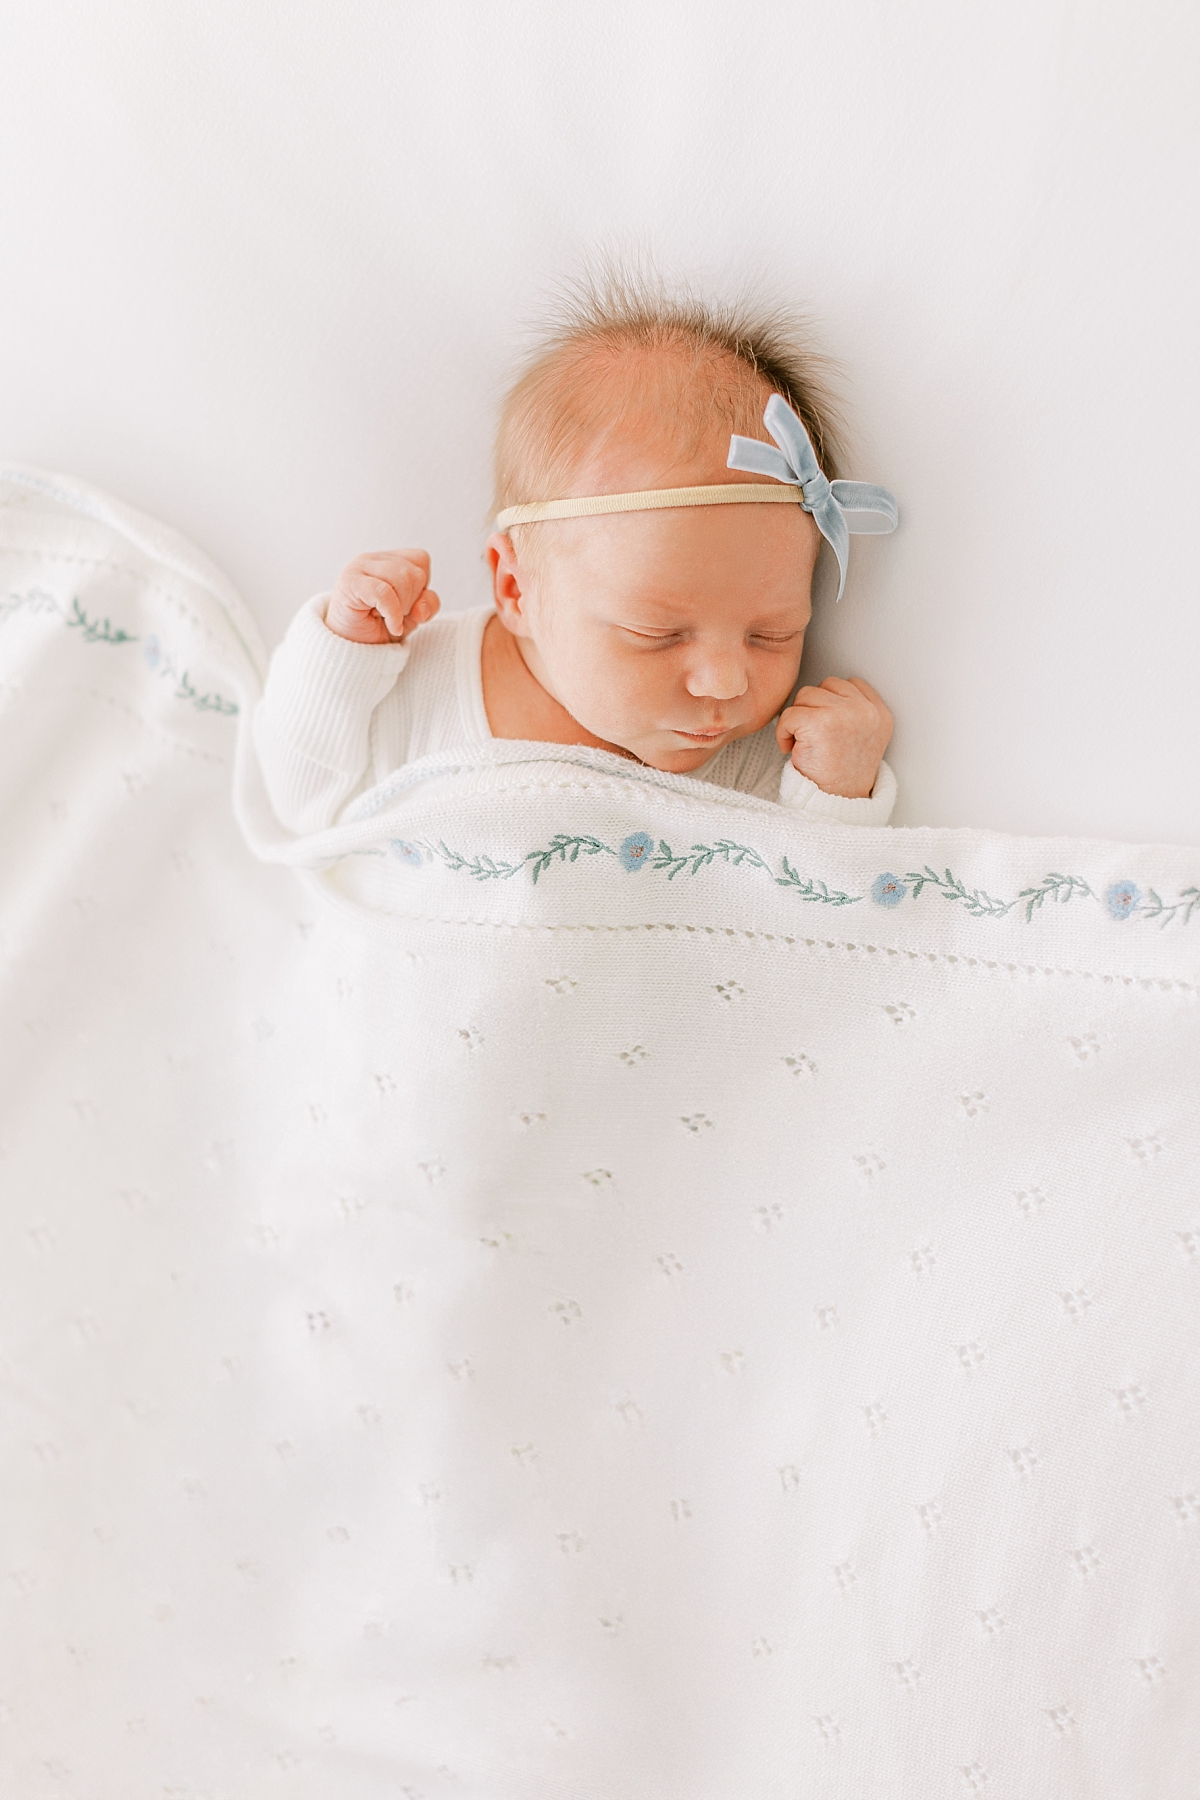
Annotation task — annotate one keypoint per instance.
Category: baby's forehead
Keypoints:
(682, 567)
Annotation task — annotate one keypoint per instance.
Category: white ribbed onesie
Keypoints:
(336, 718)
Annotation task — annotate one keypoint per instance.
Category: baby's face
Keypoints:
(669, 634)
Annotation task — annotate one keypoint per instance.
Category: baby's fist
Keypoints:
(837, 734)
(380, 599)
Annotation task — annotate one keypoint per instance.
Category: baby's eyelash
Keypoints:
(666, 637)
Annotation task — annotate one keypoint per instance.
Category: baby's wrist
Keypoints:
(802, 794)
(845, 791)
(852, 785)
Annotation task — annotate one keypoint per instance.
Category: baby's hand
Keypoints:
(380, 599)
(837, 734)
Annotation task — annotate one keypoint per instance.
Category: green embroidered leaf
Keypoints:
(667, 859)
(808, 889)
(1059, 888)
(97, 631)
(978, 903)
(203, 702)
(566, 849)
(1166, 912)
(480, 868)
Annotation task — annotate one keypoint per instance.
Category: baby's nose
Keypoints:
(717, 676)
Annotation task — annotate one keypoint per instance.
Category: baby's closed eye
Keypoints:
(766, 639)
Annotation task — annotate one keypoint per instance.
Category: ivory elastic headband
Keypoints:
(838, 507)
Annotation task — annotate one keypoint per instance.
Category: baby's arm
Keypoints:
(836, 735)
(339, 660)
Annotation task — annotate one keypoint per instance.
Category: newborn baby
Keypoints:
(661, 623)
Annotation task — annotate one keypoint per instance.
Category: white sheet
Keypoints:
(667, 1336)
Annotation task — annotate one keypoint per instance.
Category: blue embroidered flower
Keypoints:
(635, 850)
(1122, 898)
(407, 853)
(152, 652)
(888, 890)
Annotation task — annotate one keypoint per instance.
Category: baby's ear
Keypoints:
(508, 580)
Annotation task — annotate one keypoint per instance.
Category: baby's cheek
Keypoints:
(626, 686)
(777, 693)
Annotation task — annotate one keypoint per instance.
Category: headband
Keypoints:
(838, 507)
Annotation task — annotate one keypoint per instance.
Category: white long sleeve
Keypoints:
(802, 795)
(312, 727)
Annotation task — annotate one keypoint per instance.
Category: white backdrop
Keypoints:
(265, 267)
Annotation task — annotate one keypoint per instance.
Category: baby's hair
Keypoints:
(723, 362)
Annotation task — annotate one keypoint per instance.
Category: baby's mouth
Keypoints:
(703, 737)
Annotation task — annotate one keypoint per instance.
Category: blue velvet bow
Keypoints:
(837, 507)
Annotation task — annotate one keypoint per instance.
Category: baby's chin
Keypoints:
(673, 757)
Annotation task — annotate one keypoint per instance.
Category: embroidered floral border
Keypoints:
(91, 630)
(1122, 900)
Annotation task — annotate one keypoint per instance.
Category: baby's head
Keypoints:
(665, 633)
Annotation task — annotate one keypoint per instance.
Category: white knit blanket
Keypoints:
(595, 1291)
